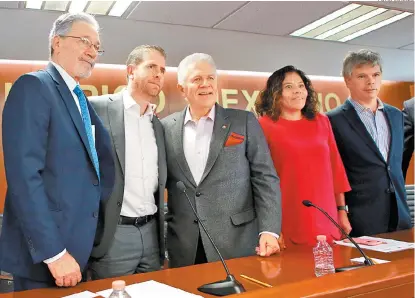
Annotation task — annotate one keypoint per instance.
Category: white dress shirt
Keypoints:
(71, 83)
(196, 144)
(141, 160)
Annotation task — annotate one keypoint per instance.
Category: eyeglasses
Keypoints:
(87, 43)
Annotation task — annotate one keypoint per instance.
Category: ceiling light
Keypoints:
(119, 8)
(56, 5)
(34, 4)
(77, 6)
(351, 23)
(99, 7)
(325, 19)
(376, 26)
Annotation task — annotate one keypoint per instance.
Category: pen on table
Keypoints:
(256, 281)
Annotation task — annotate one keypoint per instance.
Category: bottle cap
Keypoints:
(321, 238)
(118, 285)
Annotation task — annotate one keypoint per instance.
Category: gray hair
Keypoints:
(361, 57)
(184, 65)
(64, 23)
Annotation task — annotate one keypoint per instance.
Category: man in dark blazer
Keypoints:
(408, 126)
(131, 238)
(223, 160)
(58, 162)
(369, 135)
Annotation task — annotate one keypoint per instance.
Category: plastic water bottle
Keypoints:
(323, 257)
(118, 290)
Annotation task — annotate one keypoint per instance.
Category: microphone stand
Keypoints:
(367, 262)
(230, 285)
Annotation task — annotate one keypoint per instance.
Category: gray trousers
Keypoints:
(134, 250)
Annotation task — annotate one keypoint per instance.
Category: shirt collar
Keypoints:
(70, 81)
(188, 117)
(130, 102)
(361, 108)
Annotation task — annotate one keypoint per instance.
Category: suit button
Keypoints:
(119, 204)
(389, 168)
(195, 221)
(198, 194)
(95, 214)
(95, 182)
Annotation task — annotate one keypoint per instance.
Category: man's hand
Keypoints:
(66, 271)
(344, 221)
(268, 245)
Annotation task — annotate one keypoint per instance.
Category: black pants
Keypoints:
(393, 218)
(200, 253)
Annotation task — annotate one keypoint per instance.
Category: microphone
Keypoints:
(230, 285)
(368, 261)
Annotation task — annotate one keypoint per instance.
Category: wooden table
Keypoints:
(291, 273)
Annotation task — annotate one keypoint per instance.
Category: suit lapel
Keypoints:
(220, 132)
(70, 105)
(357, 124)
(388, 116)
(116, 122)
(177, 130)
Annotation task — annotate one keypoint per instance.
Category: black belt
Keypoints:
(135, 221)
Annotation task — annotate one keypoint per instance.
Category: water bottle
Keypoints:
(323, 257)
(118, 290)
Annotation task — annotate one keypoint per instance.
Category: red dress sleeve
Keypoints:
(341, 183)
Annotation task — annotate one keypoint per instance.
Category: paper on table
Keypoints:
(152, 288)
(84, 294)
(362, 260)
(389, 245)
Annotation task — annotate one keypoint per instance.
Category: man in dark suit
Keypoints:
(408, 126)
(58, 162)
(222, 158)
(132, 238)
(369, 135)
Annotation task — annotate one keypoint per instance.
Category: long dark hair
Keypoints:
(268, 103)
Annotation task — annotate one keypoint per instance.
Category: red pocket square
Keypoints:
(234, 139)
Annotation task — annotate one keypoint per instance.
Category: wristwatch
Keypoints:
(345, 208)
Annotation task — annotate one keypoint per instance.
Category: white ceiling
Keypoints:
(395, 36)
(277, 18)
(191, 13)
(240, 35)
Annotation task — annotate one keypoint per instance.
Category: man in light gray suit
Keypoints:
(131, 238)
(222, 158)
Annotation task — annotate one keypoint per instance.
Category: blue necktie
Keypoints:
(88, 127)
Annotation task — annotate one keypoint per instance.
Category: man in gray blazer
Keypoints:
(408, 127)
(222, 158)
(130, 238)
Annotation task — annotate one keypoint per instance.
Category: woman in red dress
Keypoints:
(305, 157)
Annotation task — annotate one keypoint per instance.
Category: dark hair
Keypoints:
(268, 103)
